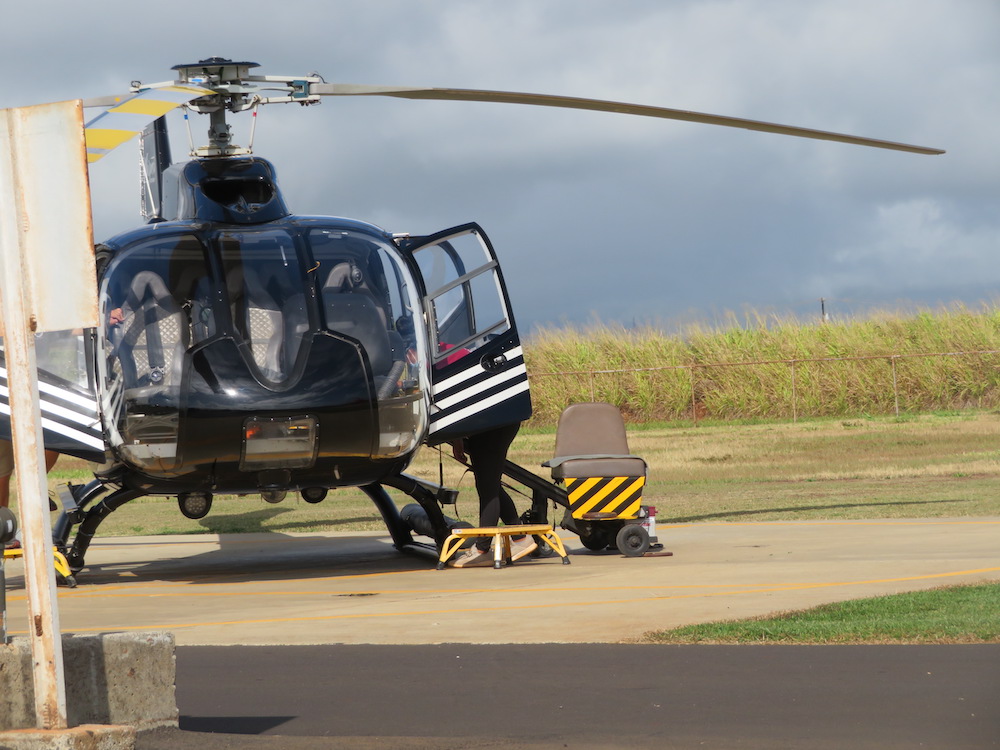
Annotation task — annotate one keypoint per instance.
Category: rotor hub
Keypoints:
(214, 71)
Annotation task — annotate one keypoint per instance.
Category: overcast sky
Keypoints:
(600, 216)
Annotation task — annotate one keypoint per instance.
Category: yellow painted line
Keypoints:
(765, 588)
(410, 592)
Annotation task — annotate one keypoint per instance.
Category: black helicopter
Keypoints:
(246, 349)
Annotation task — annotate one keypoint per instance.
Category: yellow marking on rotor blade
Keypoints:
(143, 106)
(107, 138)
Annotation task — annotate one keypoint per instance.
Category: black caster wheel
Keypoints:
(632, 540)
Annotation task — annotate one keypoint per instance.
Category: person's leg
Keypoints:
(487, 453)
(6, 469)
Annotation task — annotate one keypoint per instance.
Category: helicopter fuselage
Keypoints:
(282, 355)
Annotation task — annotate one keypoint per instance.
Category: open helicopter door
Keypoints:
(477, 366)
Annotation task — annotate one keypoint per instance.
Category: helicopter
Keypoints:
(245, 349)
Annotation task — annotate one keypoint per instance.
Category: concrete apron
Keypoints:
(116, 684)
(355, 588)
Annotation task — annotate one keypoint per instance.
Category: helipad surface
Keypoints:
(356, 588)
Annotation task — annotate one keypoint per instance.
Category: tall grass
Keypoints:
(772, 368)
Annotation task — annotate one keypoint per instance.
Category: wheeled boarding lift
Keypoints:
(596, 480)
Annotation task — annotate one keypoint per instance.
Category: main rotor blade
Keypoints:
(599, 105)
(106, 101)
(129, 116)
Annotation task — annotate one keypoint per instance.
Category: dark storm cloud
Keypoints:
(593, 213)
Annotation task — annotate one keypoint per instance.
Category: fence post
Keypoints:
(795, 411)
(895, 384)
(694, 401)
(593, 392)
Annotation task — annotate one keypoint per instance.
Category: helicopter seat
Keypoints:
(356, 316)
(353, 309)
(603, 480)
(264, 327)
(154, 338)
(271, 329)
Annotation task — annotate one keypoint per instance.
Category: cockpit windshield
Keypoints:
(236, 321)
(266, 297)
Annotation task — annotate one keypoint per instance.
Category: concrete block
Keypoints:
(111, 679)
(86, 737)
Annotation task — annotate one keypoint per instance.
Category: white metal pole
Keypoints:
(26, 162)
(32, 494)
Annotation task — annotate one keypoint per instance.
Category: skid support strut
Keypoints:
(85, 534)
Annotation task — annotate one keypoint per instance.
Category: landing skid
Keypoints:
(81, 509)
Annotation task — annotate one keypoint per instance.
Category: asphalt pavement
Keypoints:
(585, 696)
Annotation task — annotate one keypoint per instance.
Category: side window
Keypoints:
(465, 298)
(61, 353)
(365, 294)
(148, 297)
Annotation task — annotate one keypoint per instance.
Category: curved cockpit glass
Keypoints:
(299, 321)
(266, 297)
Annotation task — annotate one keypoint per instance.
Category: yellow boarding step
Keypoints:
(501, 541)
(59, 559)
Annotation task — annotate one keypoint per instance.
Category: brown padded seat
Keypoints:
(591, 442)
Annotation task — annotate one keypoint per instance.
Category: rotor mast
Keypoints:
(225, 78)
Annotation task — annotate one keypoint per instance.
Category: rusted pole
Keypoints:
(32, 493)
(19, 353)
(45, 240)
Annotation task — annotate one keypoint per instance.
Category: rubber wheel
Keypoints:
(596, 541)
(632, 540)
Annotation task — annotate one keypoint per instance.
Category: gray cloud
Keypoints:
(597, 214)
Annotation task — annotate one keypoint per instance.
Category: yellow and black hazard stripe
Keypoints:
(621, 496)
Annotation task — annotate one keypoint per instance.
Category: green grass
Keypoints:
(934, 465)
(957, 614)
